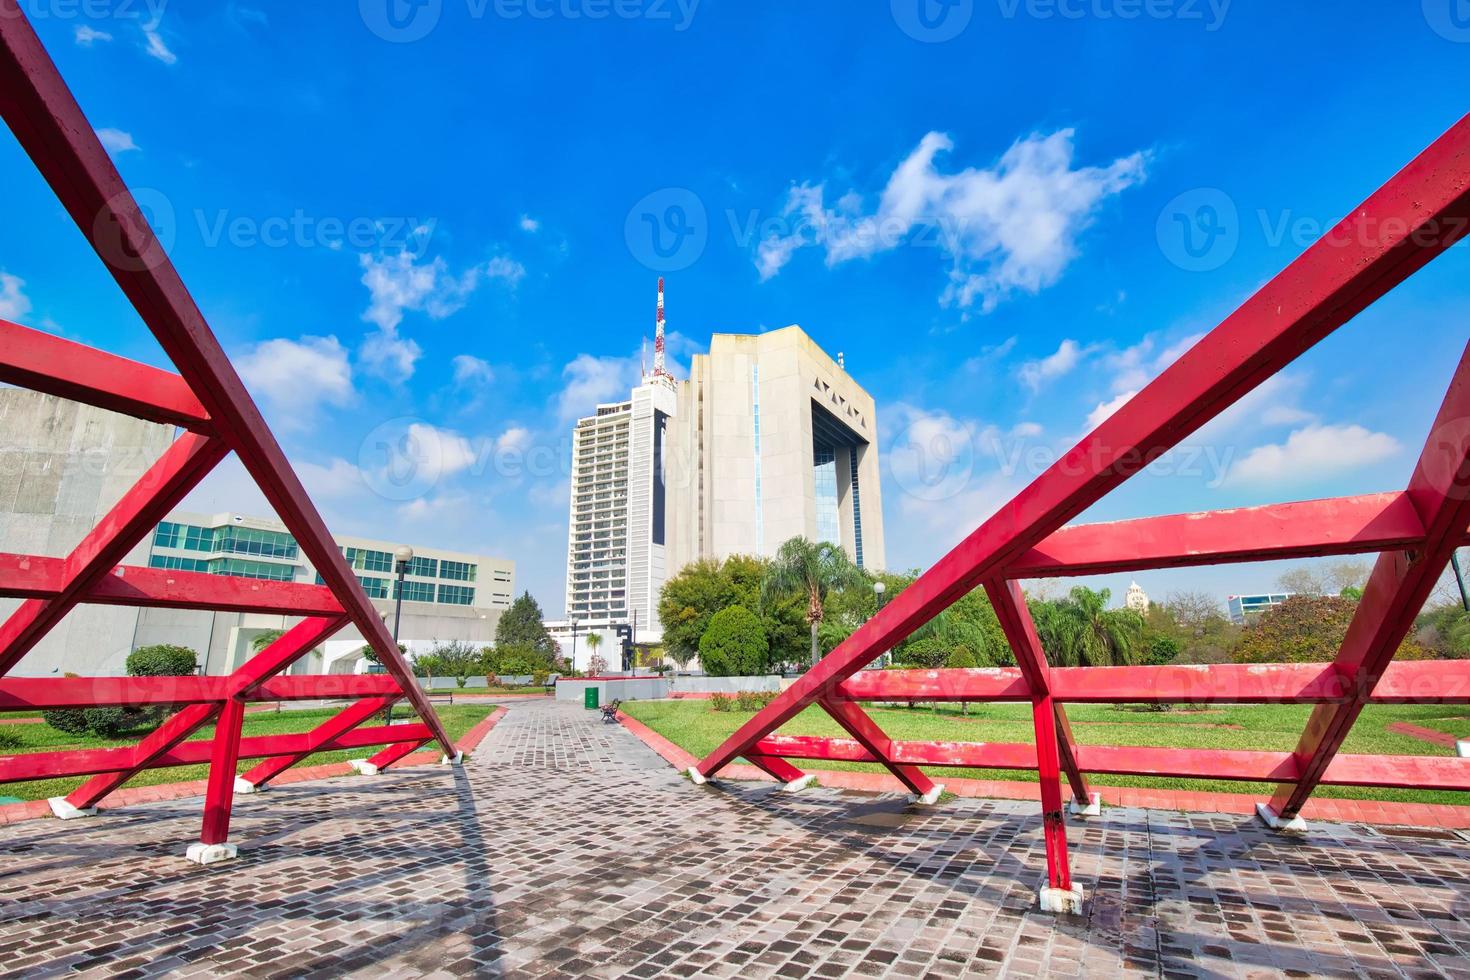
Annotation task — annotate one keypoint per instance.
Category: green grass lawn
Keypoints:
(698, 729)
(457, 719)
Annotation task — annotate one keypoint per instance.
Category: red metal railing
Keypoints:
(207, 399)
(1418, 214)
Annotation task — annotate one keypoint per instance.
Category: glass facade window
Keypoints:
(245, 568)
(424, 567)
(416, 591)
(824, 463)
(857, 507)
(457, 595)
(460, 571)
(178, 563)
(253, 541)
(376, 588)
(368, 560)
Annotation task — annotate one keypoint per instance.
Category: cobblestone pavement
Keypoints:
(566, 848)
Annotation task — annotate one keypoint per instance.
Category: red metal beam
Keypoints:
(243, 683)
(395, 753)
(176, 472)
(41, 362)
(1397, 771)
(333, 728)
(1411, 682)
(39, 693)
(55, 765)
(1015, 621)
(871, 737)
(1398, 588)
(39, 577)
(54, 131)
(778, 769)
(224, 758)
(1419, 213)
(1313, 528)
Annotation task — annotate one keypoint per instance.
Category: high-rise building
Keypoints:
(768, 439)
(1136, 599)
(1248, 608)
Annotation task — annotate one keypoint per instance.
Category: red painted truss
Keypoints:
(1419, 213)
(207, 399)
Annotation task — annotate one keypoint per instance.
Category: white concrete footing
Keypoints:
(211, 853)
(66, 811)
(243, 785)
(1269, 817)
(452, 760)
(363, 767)
(932, 797)
(695, 777)
(797, 785)
(1061, 901)
(1093, 807)
(1462, 748)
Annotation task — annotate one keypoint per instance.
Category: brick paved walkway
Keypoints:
(567, 848)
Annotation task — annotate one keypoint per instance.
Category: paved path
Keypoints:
(567, 848)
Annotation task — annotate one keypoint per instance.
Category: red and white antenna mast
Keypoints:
(660, 371)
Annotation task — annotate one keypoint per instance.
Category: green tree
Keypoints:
(1306, 629)
(519, 661)
(522, 625)
(458, 659)
(811, 570)
(686, 603)
(734, 644)
(1080, 631)
(263, 640)
(1445, 630)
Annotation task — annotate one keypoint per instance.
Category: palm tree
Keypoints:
(813, 568)
(1080, 631)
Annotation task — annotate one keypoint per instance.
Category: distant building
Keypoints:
(1244, 608)
(1136, 599)
(64, 465)
(768, 439)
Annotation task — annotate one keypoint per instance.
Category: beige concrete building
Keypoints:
(768, 439)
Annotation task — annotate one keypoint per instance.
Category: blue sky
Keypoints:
(439, 220)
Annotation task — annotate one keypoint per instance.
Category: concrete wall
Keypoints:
(636, 689)
(62, 467)
(723, 685)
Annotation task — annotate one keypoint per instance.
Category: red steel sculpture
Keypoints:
(1418, 214)
(207, 399)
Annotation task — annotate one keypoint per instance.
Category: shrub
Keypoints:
(721, 702)
(753, 700)
(10, 738)
(928, 652)
(112, 722)
(519, 661)
(734, 645)
(162, 660)
(962, 658)
(541, 677)
(73, 721)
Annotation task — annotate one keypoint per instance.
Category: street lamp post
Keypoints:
(574, 644)
(401, 559)
(879, 588)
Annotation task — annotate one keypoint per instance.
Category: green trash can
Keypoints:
(589, 698)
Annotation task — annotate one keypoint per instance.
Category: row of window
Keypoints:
(241, 567)
(235, 540)
(454, 595)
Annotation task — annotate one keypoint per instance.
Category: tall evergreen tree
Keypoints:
(522, 626)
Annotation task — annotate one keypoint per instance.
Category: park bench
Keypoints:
(610, 712)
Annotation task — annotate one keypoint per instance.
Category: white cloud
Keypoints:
(1105, 410)
(591, 380)
(116, 140)
(1036, 374)
(86, 36)
(389, 356)
(1027, 430)
(530, 224)
(514, 439)
(14, 303)
(397, 283)
(1013, 227)
(453, 451)
(298, 376)
(1313, 453)
(469, 369)
(337, 479)
(156, 48)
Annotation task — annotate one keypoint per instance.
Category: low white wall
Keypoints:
(723, 685)
(632, 689)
